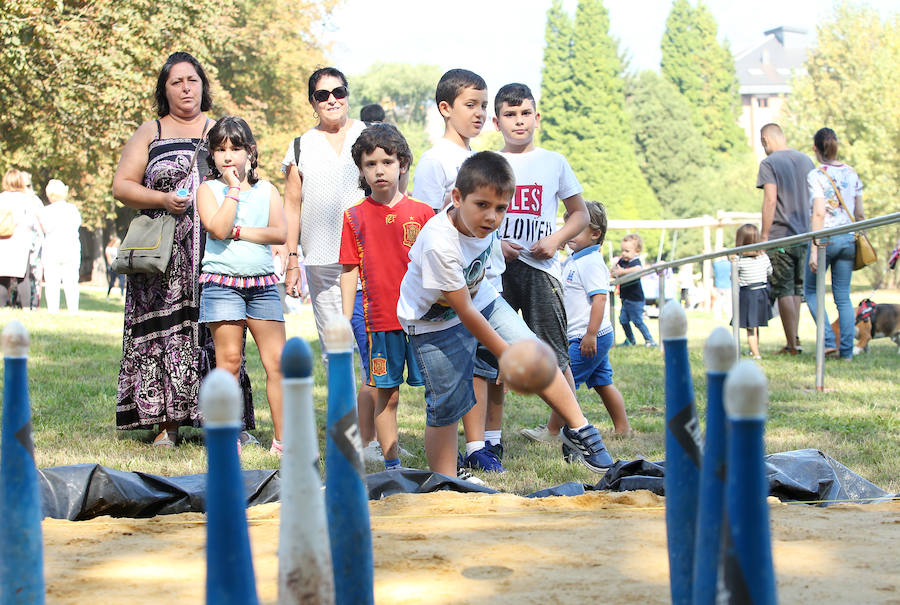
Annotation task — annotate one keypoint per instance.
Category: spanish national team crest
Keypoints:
(410, 233)
(378, 366)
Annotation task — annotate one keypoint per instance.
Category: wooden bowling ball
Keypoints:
(528, 366)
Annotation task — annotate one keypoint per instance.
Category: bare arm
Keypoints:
(293, 203)
(348, 280)
(578, 219)
(275, 232)
(461, 302)
(128, 185)
(589, 341)
(816, 222)
(217, 220)
(770, 199)
(858, 212)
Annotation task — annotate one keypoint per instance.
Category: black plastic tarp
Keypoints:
(84, 491)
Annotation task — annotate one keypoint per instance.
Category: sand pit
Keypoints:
(447, 547)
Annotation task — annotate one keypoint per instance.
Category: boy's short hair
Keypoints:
(486, 169)
(372, 113)
(634, 237)
(596, 216)
(454, 81)
(513, 95)
(385, 136)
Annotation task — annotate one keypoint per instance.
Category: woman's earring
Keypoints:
(316, 115)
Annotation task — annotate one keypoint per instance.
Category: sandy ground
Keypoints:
(447, 547)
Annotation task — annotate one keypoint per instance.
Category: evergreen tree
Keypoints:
(556, 78)
(669, 148)
(601, 151)
(703, 70)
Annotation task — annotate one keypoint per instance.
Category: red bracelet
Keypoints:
(237, 233)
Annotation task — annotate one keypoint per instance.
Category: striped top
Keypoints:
(754, 269)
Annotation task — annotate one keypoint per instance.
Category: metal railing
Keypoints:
(784, 242)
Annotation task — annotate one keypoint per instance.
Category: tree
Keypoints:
(407, 94)
(556, 78)
(850, 86)
(78, 78)
(669, 148)
(601, 151)
(703, 70)
(405, 91)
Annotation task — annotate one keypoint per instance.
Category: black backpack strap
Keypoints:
(297, 152)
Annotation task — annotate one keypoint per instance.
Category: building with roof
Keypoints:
(764, 76)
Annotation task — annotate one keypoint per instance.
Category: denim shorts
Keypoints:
(511, 328)
(447, 361)
(228, 303)
(592, 371)
(389, 352)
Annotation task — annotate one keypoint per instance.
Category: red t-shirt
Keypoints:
(378, 238)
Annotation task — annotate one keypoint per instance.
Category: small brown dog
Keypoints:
(873, 321)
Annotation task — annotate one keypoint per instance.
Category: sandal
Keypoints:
(786, 350)
(166, 439)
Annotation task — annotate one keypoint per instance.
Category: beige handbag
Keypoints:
(865, 253)
(147, 245)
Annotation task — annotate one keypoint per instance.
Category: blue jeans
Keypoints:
(633, 312)
(840, 255)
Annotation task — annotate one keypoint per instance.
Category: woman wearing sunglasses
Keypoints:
(321, 183)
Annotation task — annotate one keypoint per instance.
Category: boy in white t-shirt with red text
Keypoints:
(532, 282)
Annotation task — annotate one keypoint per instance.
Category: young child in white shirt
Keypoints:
(590, 333)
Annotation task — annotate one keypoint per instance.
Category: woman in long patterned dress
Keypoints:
(165, 352)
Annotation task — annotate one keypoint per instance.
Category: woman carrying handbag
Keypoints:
(835, 194)
(165, 352)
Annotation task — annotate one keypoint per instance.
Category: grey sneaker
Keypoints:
(373, 453)
(540, 434)
(247, 439)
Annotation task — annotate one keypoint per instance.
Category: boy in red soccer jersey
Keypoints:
(377, 235)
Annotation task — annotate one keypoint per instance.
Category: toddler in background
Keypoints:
(754, 269)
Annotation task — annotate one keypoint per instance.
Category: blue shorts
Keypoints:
(447, 361)
(387, 353)
(511, 328)
(593, 371)
(228, 303)
(358, 323)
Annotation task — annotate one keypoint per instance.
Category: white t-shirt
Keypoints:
(330, 186)
(585, 274)
(543, 178)
(61, 221)
(436, 172)
(819, 186)
(443, 260)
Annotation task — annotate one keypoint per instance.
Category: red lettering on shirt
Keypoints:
(527, 200)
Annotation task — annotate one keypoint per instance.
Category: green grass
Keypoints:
(74, 363)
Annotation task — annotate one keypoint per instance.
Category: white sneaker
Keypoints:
(463, 474)
(373, 453)
(540, 434)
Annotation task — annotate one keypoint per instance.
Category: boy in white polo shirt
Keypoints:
(590, 332)
(532, 282)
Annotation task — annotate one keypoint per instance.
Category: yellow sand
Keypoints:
(447, 547)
